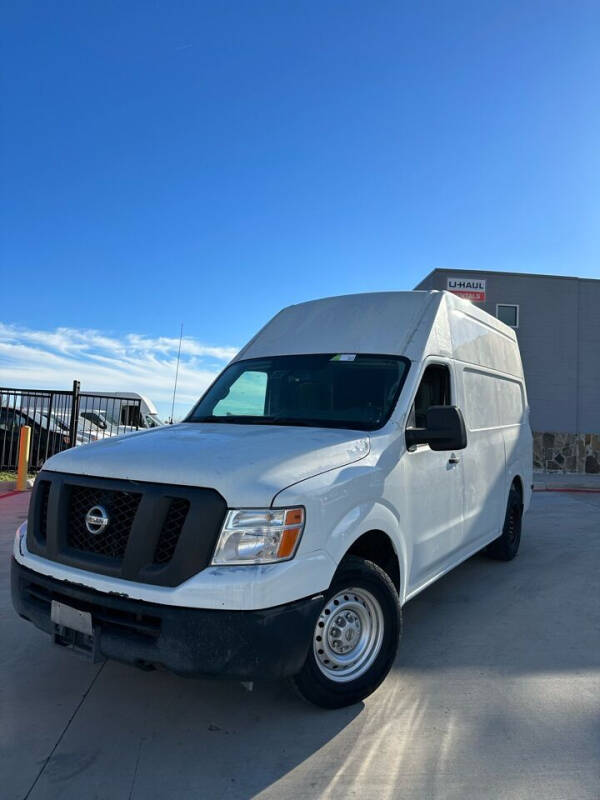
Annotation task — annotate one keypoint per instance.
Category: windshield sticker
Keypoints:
(344, 357)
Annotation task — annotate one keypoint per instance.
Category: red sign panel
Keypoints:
(470, 288)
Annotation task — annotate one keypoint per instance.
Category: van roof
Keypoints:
(412, 324)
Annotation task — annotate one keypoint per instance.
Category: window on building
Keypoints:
(508, 314)
(434, 390)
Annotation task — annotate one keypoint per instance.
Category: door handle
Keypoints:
(453, 459)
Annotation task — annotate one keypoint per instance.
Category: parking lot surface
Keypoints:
(495, 694)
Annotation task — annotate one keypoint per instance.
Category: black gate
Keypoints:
(59, 420)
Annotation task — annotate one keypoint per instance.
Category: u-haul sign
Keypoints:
(469, 288)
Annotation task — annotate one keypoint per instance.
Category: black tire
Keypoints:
(360, 574)
(506, 546)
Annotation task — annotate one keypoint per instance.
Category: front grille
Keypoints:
(45, 494)
(120, 507)
(158, 534)
(169, 535)
(109, 618)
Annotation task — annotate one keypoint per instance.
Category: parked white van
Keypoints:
(119, 412)
(353, 452)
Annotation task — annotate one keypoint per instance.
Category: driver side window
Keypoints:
(434, 390)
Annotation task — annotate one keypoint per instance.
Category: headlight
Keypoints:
(20, 539)
(259, 536)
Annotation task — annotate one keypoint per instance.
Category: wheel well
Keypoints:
(518, 484)
(376, 546)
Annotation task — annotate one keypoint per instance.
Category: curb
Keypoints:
(568, 490)
(10, 486)
(10, 494)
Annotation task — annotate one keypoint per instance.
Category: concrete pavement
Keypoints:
(495, 694)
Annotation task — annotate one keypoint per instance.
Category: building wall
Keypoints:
(559, 338)
(589, 356)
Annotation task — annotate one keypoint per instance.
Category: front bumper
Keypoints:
(248, 645)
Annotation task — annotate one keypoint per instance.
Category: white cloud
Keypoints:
(36, 359)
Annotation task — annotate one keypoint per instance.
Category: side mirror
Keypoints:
(444, 430)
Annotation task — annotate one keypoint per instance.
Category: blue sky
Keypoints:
(208, 163)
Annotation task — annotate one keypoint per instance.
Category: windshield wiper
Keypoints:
(236, 418)
(241, 419)
(299, 422)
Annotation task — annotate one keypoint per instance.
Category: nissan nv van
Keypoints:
(354, 451)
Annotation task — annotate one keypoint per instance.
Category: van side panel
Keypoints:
(518, 450)
(518, 447)
(484, 457)
(478, 342)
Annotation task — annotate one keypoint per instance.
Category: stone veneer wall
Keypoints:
(567, 452)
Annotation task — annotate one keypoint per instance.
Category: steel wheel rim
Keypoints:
(348, 635)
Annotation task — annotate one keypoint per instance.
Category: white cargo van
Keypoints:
(354, 451)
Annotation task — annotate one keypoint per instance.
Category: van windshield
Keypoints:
(331, 390)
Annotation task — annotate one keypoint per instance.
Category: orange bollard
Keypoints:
(24, 439)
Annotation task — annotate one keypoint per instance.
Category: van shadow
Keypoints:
(190, 738)
(526, 616)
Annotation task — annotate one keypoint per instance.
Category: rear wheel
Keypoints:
(506, 546)
(355, 638)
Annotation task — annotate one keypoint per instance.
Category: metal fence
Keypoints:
(59, 420)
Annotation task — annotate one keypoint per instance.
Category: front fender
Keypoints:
(342, 505)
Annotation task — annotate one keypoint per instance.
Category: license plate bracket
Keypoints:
(74, 629)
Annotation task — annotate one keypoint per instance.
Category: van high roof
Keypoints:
(412, 324)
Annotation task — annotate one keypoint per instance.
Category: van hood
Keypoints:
(247, 464)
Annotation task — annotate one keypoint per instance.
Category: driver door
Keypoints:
(433, 485)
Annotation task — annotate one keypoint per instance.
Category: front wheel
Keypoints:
(355, 638)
